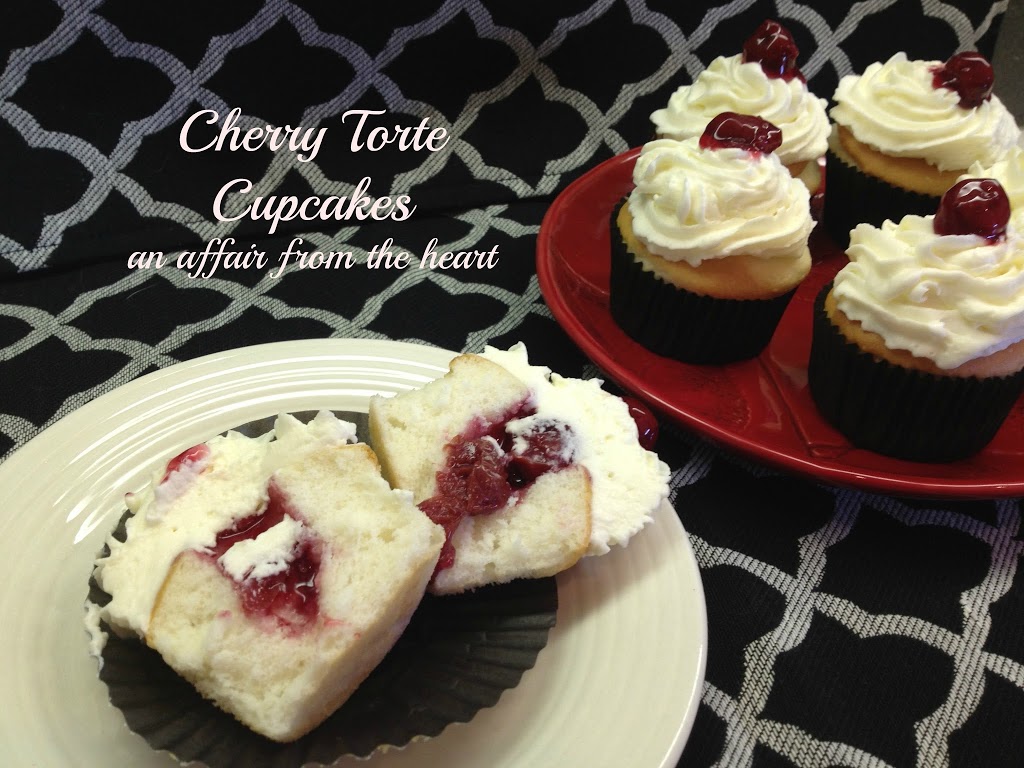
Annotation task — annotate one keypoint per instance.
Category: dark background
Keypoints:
(846, 628)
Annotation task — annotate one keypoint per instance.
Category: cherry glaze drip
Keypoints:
(482, 473)
(974, 207)
(773, 47)
(748, 132)
(188, 456)
(646, 423)
(290, 597)
(969, 74)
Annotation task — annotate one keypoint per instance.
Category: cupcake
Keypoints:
(763, 80)
(904, 132)
(710, 244)
(918, 344)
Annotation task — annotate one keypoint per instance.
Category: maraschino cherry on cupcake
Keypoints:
(918, 344)
(905, 131)
(711, 243)
(1009, 172)
(763, 80)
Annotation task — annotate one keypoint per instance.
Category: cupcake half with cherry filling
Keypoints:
(918, 344)
(272, 573)
(527, 471)
(763, 80)
(708, 248)
(904, 132)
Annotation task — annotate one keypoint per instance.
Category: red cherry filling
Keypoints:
(290, 596)
(448, 513)
(646, 424)
(486, 466)
(969, 74)
(545, 451)
(475, 474)
(974, 207)
(772, 46)
(730, 129)
(189, 456)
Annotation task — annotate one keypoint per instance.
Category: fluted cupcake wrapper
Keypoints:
(683, 325)
(899, 412)
(458, 655)
(853, 197)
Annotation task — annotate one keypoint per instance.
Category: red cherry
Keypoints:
(188, 456)
(741, 131)
(646, 424)
(773, 47)
(969, 74)
(973, 207)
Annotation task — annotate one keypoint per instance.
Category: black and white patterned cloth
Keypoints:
(845, 628)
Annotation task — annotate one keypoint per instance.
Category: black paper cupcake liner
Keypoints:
(683, 325)
(853, 197)
(899, 412)
(458, 655)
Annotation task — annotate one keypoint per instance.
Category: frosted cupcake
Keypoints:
(918, 344)
(710, 244)
(763, 80)
(905, 131)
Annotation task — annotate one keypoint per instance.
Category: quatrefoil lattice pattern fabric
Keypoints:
(845, 628)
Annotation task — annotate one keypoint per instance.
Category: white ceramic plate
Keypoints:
(618, 683)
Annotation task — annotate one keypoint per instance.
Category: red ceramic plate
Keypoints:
(759, 407)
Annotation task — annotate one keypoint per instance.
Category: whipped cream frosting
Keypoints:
(691, 204)
(947, 298)
(187, 509)
(267, 554)
(894, 108)
(628, 481)
(729, 85)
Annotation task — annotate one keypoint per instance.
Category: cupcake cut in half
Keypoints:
(526, 470)
(918, 344)
(272, 573)
(708, 248)
(904, 132)
(763, 80)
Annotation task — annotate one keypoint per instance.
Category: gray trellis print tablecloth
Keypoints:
(845, 628)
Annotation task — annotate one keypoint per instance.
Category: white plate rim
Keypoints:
(622, 662)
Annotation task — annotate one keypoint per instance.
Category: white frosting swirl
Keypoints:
(691, 204)
(894, 108)
(729, 85)
(950, 298)
(1009, 172)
